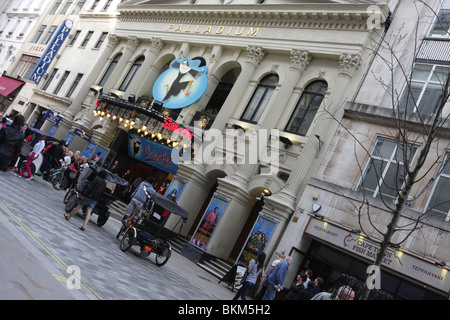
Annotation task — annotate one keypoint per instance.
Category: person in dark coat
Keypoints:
(296, 287)
(55, 153)
(11, 141)
(93, 194)
(307, 293)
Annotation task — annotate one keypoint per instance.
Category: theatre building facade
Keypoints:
(268, 66)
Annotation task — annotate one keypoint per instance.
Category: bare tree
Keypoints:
(414, 129)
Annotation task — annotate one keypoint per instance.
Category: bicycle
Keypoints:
(56, 176)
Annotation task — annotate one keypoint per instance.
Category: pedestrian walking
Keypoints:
(276, 278)
(34, 154)
(11, 141)
(138, 198)
(265, 281)
(253, 270)
(93, 193)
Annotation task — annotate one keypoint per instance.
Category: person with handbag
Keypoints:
(249, 280)
(34, 154)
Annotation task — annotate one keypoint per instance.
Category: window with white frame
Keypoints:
(260, 98)
(385, 172)
(87, 38)
(61, 82)
(38, 33)
(439, 203)
(424, 92)
(25, 65)
(110, 69)
(130, 75)
(74, 85)
(49, 35)
(441, 26)
(78, 7)
(100, 40)
(66, 7)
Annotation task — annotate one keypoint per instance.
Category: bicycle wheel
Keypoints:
(72, 202)
(127, 240)
(68, 194)
(163, 255)
(59, 181)
(102, 218)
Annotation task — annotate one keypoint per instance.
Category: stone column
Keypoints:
(300, 60)
(254, 58)
(112, 82)
(146, 75)
(325, 129)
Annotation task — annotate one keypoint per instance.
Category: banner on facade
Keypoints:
(210, 220)
(151, 153)
(52, 49)
(182, 84)
(258, 239)
(88, 150)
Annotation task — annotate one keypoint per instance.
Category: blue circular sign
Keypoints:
(182, 84)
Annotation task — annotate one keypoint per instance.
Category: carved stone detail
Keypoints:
(349, 63)
(255, 54)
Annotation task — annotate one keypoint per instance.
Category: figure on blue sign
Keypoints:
(182, 84)
(186, 76)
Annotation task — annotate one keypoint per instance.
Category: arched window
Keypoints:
(110, 70)
(306, 108)
(134, 68)
(260, 98)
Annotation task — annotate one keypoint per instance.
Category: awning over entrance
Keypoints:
(8, 85)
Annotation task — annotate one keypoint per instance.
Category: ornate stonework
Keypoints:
(255, 54)
(300, 58)
(133, 42)
(349, 63)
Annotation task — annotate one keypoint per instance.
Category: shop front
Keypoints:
(335, 250)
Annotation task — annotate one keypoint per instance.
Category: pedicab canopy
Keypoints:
(168, 204)
(110, 177)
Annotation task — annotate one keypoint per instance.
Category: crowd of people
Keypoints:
(270, 281)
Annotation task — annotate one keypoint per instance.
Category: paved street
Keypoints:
(38, 245)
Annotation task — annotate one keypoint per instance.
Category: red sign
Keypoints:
(175, 127)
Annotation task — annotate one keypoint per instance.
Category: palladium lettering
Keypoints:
(238, 31)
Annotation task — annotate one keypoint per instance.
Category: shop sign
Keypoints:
(53, 117)
(182, 84)
(51, 51)
(151, 153)
(397, 260)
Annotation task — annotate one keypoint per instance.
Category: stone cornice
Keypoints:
(353, 17)
(43, 97)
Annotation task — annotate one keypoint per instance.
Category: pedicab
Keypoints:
(148, 231)
(73, 196)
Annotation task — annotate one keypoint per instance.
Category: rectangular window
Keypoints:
(439, 203)
(74, 38)
(49, 35)
(74, 85)
(61, 82)
(66, 7)
(101, 40)
(385, 174)
(38, 34)
(55, 7)
(424, 92)
(107, 5)
(78, 6)
(50, 78)
(441, 27)
(95, 4)
(86, 39)
(25, 65)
